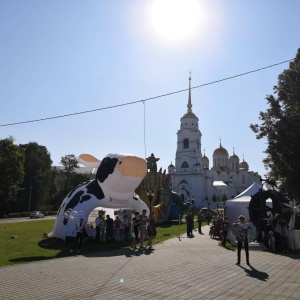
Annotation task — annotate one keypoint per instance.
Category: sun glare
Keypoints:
(175, 20)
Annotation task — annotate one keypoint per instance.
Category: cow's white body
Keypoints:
(116, 180)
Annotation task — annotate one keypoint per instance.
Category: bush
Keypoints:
(14, 215)
(25, 214)
(52, 213)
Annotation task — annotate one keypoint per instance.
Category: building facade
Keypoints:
(192, 176)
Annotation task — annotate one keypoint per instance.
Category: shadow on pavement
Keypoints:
(252, 272)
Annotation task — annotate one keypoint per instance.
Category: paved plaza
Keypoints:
(193, 268)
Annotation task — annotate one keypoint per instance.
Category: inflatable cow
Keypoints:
(117, 177)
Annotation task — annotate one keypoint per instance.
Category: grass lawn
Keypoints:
(27, 241)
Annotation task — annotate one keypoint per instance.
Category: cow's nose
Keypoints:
(133, 166)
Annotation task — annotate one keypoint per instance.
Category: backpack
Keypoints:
(241, 234)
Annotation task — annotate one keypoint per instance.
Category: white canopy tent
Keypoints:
(250, 191)
(235, 208)
(239, 205)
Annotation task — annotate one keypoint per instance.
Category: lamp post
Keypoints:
(208, 202)
(30, 194)
(30, 190)
(150, 196)
(193, 202)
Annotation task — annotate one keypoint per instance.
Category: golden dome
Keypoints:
(189, 115)
(233, 156)
(243, 163)
(220, 151)
(205, 158)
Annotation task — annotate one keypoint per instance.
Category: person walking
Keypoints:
(284, 236)
(80, 235)
(199, 220)
(143, 227)
(126, 228)
(117, 223)
(102, 228)
(208, 217)
(109, 229)
(151, 229)
(242, 228)
(189, 224)
(98, 229)
(136, 225)
(225, 226)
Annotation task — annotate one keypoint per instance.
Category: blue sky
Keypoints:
(62, 57)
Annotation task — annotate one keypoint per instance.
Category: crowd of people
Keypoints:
(143, 228)
(107, 230)
(281, 236)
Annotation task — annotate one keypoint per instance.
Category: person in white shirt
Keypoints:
(242, 228)
(143, 227)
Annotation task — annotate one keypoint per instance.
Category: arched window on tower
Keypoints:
(182, 197)
(186, 143)
(185, 165)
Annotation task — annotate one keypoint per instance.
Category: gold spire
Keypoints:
(190, 98)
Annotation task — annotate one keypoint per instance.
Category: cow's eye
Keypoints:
(120, 162)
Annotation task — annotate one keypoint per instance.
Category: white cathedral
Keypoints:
(192, 177)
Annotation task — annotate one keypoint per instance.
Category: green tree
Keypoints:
(66, 179)
(281, 127)
(12, 174)
(38, 179)
(224, 198)
(70, 163)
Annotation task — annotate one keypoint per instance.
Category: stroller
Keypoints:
(215, 230)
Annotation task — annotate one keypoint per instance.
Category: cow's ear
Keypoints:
(89, 160)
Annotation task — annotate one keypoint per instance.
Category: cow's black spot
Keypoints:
(85, 198)
(58, 211)
(75, 200)
(94, 189)
(70, 194)
(106, 167)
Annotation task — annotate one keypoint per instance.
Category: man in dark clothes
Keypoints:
(199, 220)
(189, 224)
(225, 226)
(109, 229)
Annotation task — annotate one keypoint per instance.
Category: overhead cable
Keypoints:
(144, 100)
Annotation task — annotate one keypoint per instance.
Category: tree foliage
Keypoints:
(37, 178)
(280, 125)
(69, 162)
(12, 173)
(66, 179)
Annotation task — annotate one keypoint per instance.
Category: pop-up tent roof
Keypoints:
(250, 191)
(236, 207)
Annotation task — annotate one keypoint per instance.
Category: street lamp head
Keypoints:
(150, 194)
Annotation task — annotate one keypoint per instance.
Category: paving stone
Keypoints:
(195, 268)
